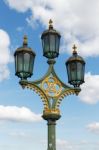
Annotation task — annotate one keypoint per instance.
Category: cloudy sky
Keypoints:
(21, 125)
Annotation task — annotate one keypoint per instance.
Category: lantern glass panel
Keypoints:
(16, 63)
(57, 43)
(73, 71)
(68, 72)
(43, 43)
(79, 71)
(20, 62)
(46, 43)
(83, 71)
(26, 62)
(31, 63)
(52, 43)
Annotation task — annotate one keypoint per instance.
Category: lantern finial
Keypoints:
(50, 24)
(74, 49)
(25, 41)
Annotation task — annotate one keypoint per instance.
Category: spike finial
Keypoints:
(50, 24)
(25, 40)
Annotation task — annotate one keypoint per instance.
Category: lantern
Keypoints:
(50, 42)
(24, 60)
(75, 69)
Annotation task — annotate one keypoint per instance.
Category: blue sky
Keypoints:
(21, 126)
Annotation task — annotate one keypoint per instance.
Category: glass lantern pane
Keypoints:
(83, 71)
(31, 64)
(20, 62)
(79, 71)
(68, 72)
(43, 43)
(46, 43)
(57, 43)
(26, 62)
(73, 72)
(52, 43)
(16, 64)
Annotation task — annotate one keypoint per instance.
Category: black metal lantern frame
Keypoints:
(75, 69)
(50, 42)
(24, 61)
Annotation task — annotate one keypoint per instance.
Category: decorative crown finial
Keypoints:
(50, 24)
(74, 49)
(25, 40)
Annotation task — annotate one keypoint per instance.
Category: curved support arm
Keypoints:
(51, 90)
(37, 89)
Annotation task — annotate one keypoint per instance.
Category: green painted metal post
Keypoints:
(50, 88)
(51, 135)
(51, 119)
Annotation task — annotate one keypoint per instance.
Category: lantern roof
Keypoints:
(50, 30)
(75, 56)
(25, 47)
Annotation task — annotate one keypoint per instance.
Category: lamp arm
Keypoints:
(64, 93)
(32, 86)
(51, 89)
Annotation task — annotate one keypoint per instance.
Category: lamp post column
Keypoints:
(51, 134)
(51, 123)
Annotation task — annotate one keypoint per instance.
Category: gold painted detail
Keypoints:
(38, 91)
(66, 93)
(51, 111)
(51, 86)
(74, 49)
(50, 24)
(25, 40)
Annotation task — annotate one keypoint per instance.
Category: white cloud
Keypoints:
(20, 6)
(4, 48)
(76, 20)
(5, 56)
(18, 114)
(90, 89)
(4, 72)
(93, 127)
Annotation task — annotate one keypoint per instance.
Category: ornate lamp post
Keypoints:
(50, 88)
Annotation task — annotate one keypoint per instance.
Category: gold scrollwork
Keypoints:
(51, 86)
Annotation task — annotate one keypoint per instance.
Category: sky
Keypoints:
(21, 125)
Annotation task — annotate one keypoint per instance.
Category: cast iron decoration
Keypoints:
(50, 88)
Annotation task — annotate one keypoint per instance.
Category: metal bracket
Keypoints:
(51, 90)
